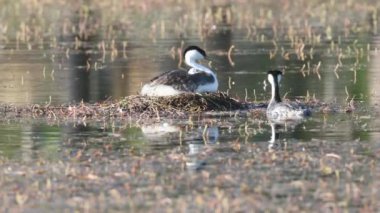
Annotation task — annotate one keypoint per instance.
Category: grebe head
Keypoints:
(274, 77)
(194, 53)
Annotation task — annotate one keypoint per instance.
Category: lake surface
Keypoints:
(328, 162)
(31, 77)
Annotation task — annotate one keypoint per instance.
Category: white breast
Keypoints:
(159, 90)
(213, 87)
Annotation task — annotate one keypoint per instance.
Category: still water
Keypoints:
(39, 140)
(58, 76)
(327, 161)
(315, 164)
(63, 75)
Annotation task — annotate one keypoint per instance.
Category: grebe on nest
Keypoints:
(198, 79)
(279, 111)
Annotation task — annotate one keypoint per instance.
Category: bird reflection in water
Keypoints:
(275, 143)
(196, 139)
(197, 148)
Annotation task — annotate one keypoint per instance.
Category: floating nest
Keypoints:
(181, 104)
(131, 106)
(138, 107)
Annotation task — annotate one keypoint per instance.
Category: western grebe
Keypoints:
(277, 110)
(198, 79)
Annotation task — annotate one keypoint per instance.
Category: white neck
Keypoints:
(191, 60)
(273, 82)
(272, 100)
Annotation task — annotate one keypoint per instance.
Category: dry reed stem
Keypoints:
(230, 55)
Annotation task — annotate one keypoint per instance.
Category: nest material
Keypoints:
(214, 104)
(180, 104)
(131, 106)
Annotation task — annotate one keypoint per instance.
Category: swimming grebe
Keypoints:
(198, 79)
(278, 111)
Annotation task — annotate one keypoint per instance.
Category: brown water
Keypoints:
(328, 162)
